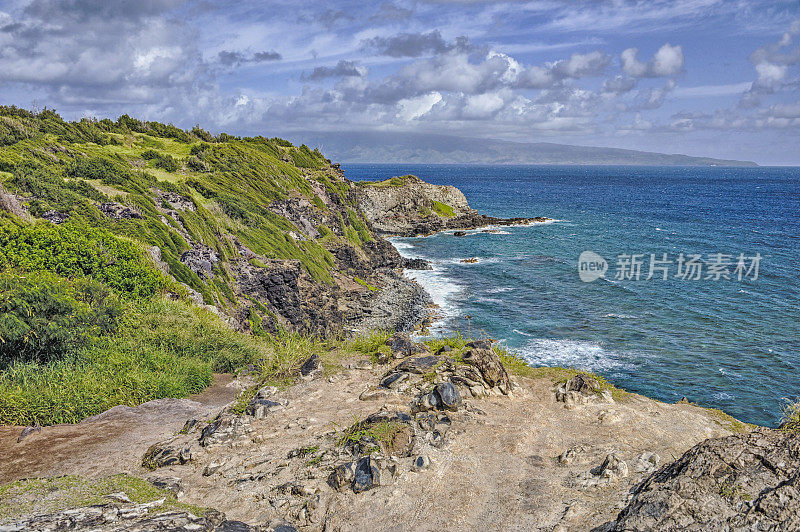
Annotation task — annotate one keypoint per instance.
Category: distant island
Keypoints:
(407, 148)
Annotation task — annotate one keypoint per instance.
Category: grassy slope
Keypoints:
(155, 347)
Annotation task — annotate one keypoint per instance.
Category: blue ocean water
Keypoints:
(730, 344)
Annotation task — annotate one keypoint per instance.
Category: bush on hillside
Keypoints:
(44, 317)
(76, 252)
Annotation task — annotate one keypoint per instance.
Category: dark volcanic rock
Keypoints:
(366, 476)
(740, 482)
(448, 395)
(55, 217)
(582, 383)
(489, 365)
(166, 454)
(118, 211)
(417, 264)
(311, 366)
(402, 346)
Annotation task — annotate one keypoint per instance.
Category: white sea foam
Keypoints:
(404, 248)
(523, 333)
(621, 316)
(444, 292)
(499, 290)
(571, 354)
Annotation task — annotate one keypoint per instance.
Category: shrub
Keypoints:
(168, 163)
(45, 317)
(161, 349)
(75, 252)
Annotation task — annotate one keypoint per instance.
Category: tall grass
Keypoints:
(164, 349)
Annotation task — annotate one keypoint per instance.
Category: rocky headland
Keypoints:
(408, 206)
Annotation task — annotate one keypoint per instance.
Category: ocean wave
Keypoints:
(499, 290)
(523, 333)
(621, 316)
(571, 354)
(444, 292)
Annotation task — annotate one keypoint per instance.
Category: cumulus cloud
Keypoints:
(667, 62)
(341, 69)
(415, 44)
(234, 59)
(772, 63)
(618, 85)
(70, 49)
(553, 74)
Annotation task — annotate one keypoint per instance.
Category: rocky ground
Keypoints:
(416, 440)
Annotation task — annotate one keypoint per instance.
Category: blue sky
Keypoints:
(701, 77)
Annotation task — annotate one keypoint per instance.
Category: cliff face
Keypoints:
(408, 206)
(264, 233)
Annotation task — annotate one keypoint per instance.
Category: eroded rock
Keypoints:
(740, 482)
(168, 453)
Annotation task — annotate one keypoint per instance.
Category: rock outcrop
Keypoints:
(740, 482)
(408, 206)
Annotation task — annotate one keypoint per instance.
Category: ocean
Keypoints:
(723, 329)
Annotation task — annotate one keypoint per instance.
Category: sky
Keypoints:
(700, 77)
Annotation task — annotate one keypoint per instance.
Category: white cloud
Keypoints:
(667, 62)
(413, 108)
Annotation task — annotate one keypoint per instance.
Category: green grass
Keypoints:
(51, 495)
(363, 283)
(382, 431)
(791, 418)
(442, 209)
(391, 182)
(164, 349)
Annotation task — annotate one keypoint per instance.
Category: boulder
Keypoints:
(403, 346)
(224, 429)
(311, 367)
(489, 365)
(366, 475)
(741, 482)
(261, 408)
(449, 397)
(166, 453)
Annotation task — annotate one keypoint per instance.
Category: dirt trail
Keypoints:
(109, 443)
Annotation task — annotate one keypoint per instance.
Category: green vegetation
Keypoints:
(51, 495)
(381, 431)
(87, 321)
(442, 209)
(791, 417)
(362, 282)
(161, 349)
(391, 182)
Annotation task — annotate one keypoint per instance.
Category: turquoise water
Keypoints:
(730, 344)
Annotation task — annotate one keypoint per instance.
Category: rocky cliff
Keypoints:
(408, 206)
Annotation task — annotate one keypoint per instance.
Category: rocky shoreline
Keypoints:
(448, 434)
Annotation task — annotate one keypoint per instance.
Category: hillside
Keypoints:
(408, 148)
(268, 234)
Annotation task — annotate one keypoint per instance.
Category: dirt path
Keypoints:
(109, 443)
